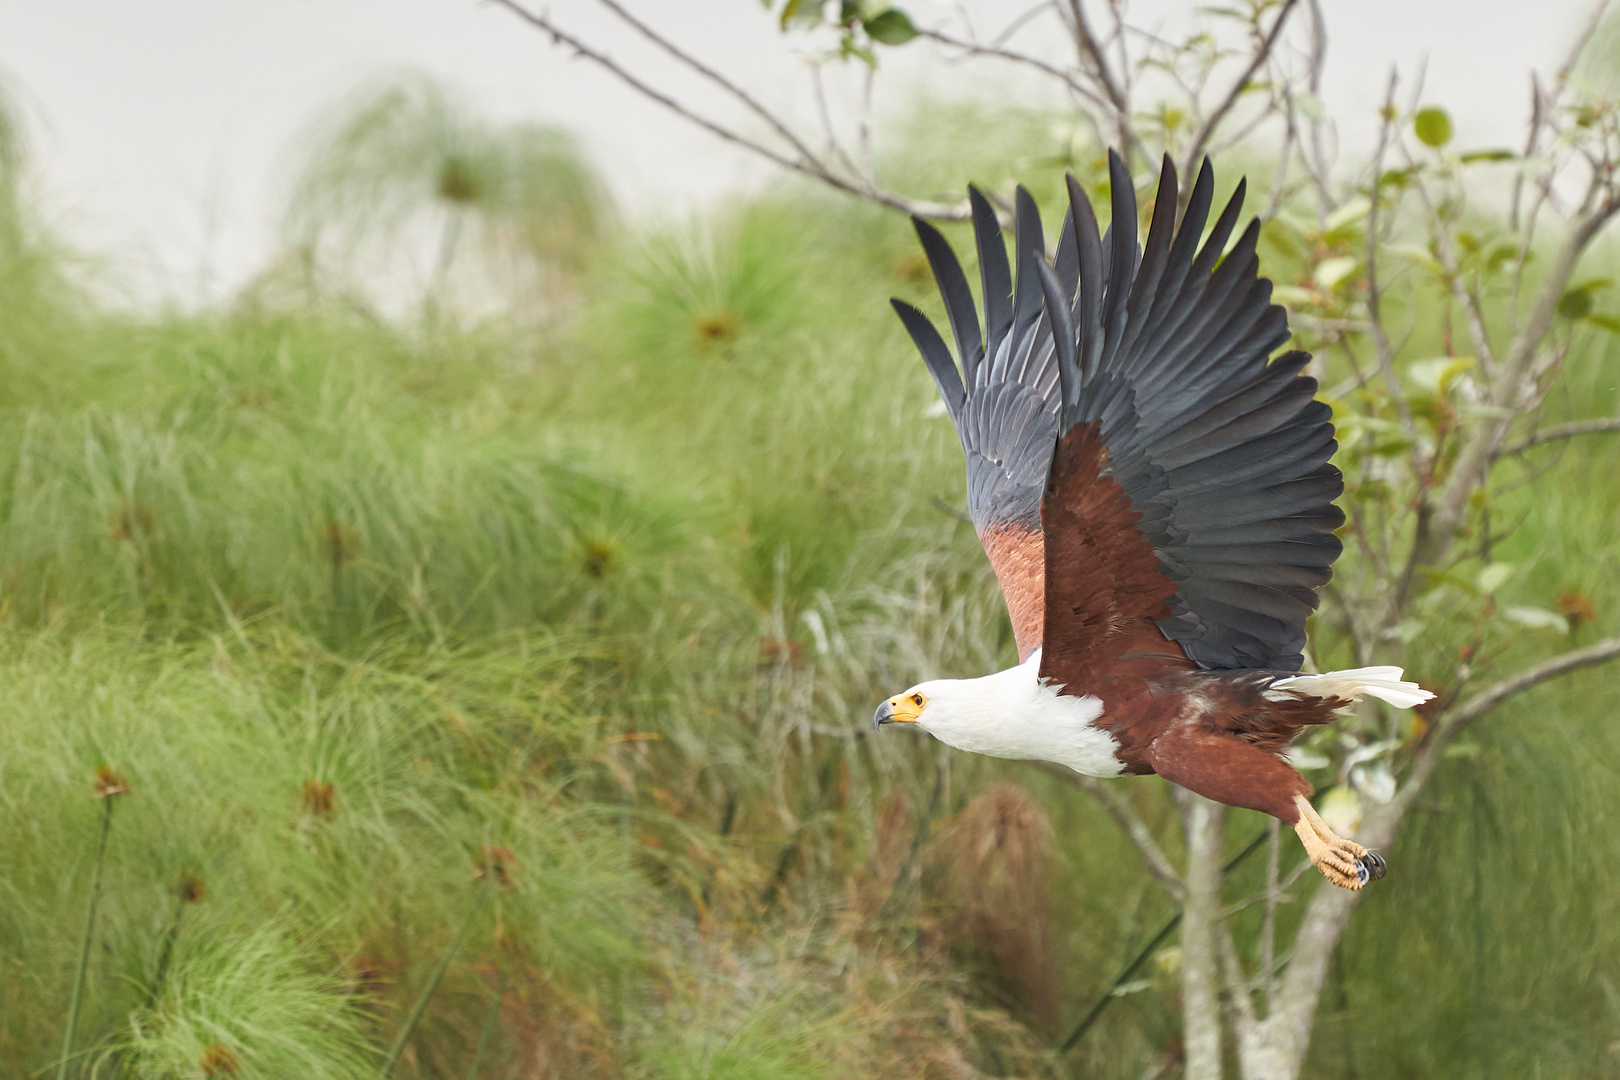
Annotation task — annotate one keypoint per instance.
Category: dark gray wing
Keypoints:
(1003, 399)
(1223, 451)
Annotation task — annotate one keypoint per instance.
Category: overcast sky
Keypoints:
(163, 129)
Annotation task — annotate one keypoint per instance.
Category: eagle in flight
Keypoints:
(1155, 495)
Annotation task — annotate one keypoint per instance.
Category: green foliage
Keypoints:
(1432, 125)
(856, 24)
(363, 607)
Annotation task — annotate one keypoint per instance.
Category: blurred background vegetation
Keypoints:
(497, 586)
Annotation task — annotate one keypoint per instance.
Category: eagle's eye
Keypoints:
(917, 700)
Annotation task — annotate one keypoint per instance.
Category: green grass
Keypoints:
(351, 601)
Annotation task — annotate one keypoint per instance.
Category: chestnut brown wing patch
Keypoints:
(1105, 588)
(1019, 558)
(1164, 352)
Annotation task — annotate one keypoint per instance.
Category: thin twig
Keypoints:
(1239, 988)
(948, 510)
(1375, 316)
(1119, 808)
(1317, 324)
(1470, 711)
(834, 146)
(1491, 697)
(811, 168)
(1316, 165)
(1531, 140)
(1603, 425)
(1142, 954)
(1268, 925)
(1013, 56)
(1261, 53)
(747, 99)
(1450, 272)
(1029, 15)
(1510, 391)
(1279, 179)
(1092, 54)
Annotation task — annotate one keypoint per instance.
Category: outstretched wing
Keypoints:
(1191, 490)
(1004, 400)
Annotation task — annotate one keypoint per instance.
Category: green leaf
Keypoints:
(1420, 255)
(1500, 255)
(849, 47)
(1536, 618)
(1432, 126)
(1436, 375)
(1348, 214)
(1488, 155)
(798, 12)
(892, 27)
(1309, 104)
(1575, 304)
(1329, 272)
(1494, 576)
(1611, 323)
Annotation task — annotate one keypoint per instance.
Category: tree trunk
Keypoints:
(1275, 1049)
(1200, 979)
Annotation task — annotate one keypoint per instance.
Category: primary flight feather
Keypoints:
(1155, 495)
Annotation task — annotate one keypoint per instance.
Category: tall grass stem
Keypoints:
(443, 965)
(84, 943)
(489, 1027)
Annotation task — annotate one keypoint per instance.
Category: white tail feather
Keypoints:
(1383, 683)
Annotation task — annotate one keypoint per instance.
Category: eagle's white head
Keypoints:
(965, 713)
(1011, 714)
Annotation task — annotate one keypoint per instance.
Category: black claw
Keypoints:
(1372, 867)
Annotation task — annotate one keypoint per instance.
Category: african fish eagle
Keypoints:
(1155, 495)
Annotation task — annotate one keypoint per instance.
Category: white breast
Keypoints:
(1012, 714)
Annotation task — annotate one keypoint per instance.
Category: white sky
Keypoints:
(162, 128)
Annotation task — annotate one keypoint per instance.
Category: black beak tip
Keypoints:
(884, 715)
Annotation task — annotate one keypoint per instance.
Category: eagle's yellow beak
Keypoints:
(902, 709)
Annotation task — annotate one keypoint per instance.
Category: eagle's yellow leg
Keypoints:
(1343, 862)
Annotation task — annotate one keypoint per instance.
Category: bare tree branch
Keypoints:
(1531, 140)
(1316, 165)
(1268, 927)
(1375, 317)
(1119, 808)
(713, 76)
(1602, 425)
(1118, 99)
(810, 167)
(1196, 148)
(1465, 298)
(1013, 56)
(1200, 957)
(1594, 18)
(1287, 1031)
(1486, 700)
(1510, 392)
